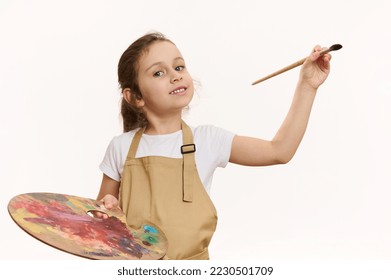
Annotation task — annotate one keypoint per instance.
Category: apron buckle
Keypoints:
(188, 148)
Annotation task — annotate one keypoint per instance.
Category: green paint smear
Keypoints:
(149, 238)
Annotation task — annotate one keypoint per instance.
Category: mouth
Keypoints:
(178, 91)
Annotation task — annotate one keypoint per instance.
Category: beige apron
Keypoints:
(169, 193)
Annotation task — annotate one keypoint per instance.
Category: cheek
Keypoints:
(190, 80)
(150, 91)
(191, 85)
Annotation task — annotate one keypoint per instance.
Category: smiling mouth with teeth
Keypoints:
(178, 91)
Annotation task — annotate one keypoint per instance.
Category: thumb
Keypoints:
(109, 201)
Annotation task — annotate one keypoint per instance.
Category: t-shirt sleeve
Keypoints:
(109, 166)
(216, 144)
(223, 143)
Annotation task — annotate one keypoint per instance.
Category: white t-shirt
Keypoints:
(213, 149)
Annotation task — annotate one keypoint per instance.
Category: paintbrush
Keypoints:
(334, 47)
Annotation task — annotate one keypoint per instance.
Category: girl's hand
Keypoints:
(109, 202)
(316, 68)
(108, 193)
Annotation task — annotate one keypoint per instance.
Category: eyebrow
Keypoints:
(160, 62)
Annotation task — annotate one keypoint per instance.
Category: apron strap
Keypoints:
(135, 142)
(188, 150)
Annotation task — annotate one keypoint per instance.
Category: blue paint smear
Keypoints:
(150, 229)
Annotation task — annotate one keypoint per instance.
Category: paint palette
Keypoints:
(66, 222)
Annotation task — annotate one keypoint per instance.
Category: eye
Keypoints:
(179, 68)
(158, 74)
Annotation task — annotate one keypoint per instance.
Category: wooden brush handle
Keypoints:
(287, 68)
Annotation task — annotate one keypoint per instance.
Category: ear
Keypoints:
(132, 98)
(127, 95)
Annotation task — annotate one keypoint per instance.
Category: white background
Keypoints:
(59, 108)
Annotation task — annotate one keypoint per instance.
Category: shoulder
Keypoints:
(121, 142)
(211, 133)
(116, 152)
(124, 138)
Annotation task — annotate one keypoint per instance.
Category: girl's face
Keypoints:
(164, 82)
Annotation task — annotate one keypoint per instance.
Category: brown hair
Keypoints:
(132, 116)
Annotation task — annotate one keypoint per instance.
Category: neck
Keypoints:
(167, 125)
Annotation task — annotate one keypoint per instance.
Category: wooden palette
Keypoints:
(63, 221)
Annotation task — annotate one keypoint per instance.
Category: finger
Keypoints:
(317, 48)
(100, 215)
(315, 53)
(324, 62)
(327, 56)
(107, 202)
(112, 201)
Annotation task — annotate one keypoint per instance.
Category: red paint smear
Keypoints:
(110, 231)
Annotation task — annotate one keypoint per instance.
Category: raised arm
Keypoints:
(257, 152)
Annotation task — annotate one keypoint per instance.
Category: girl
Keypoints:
(160, 170)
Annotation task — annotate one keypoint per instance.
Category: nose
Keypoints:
(176, 77)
